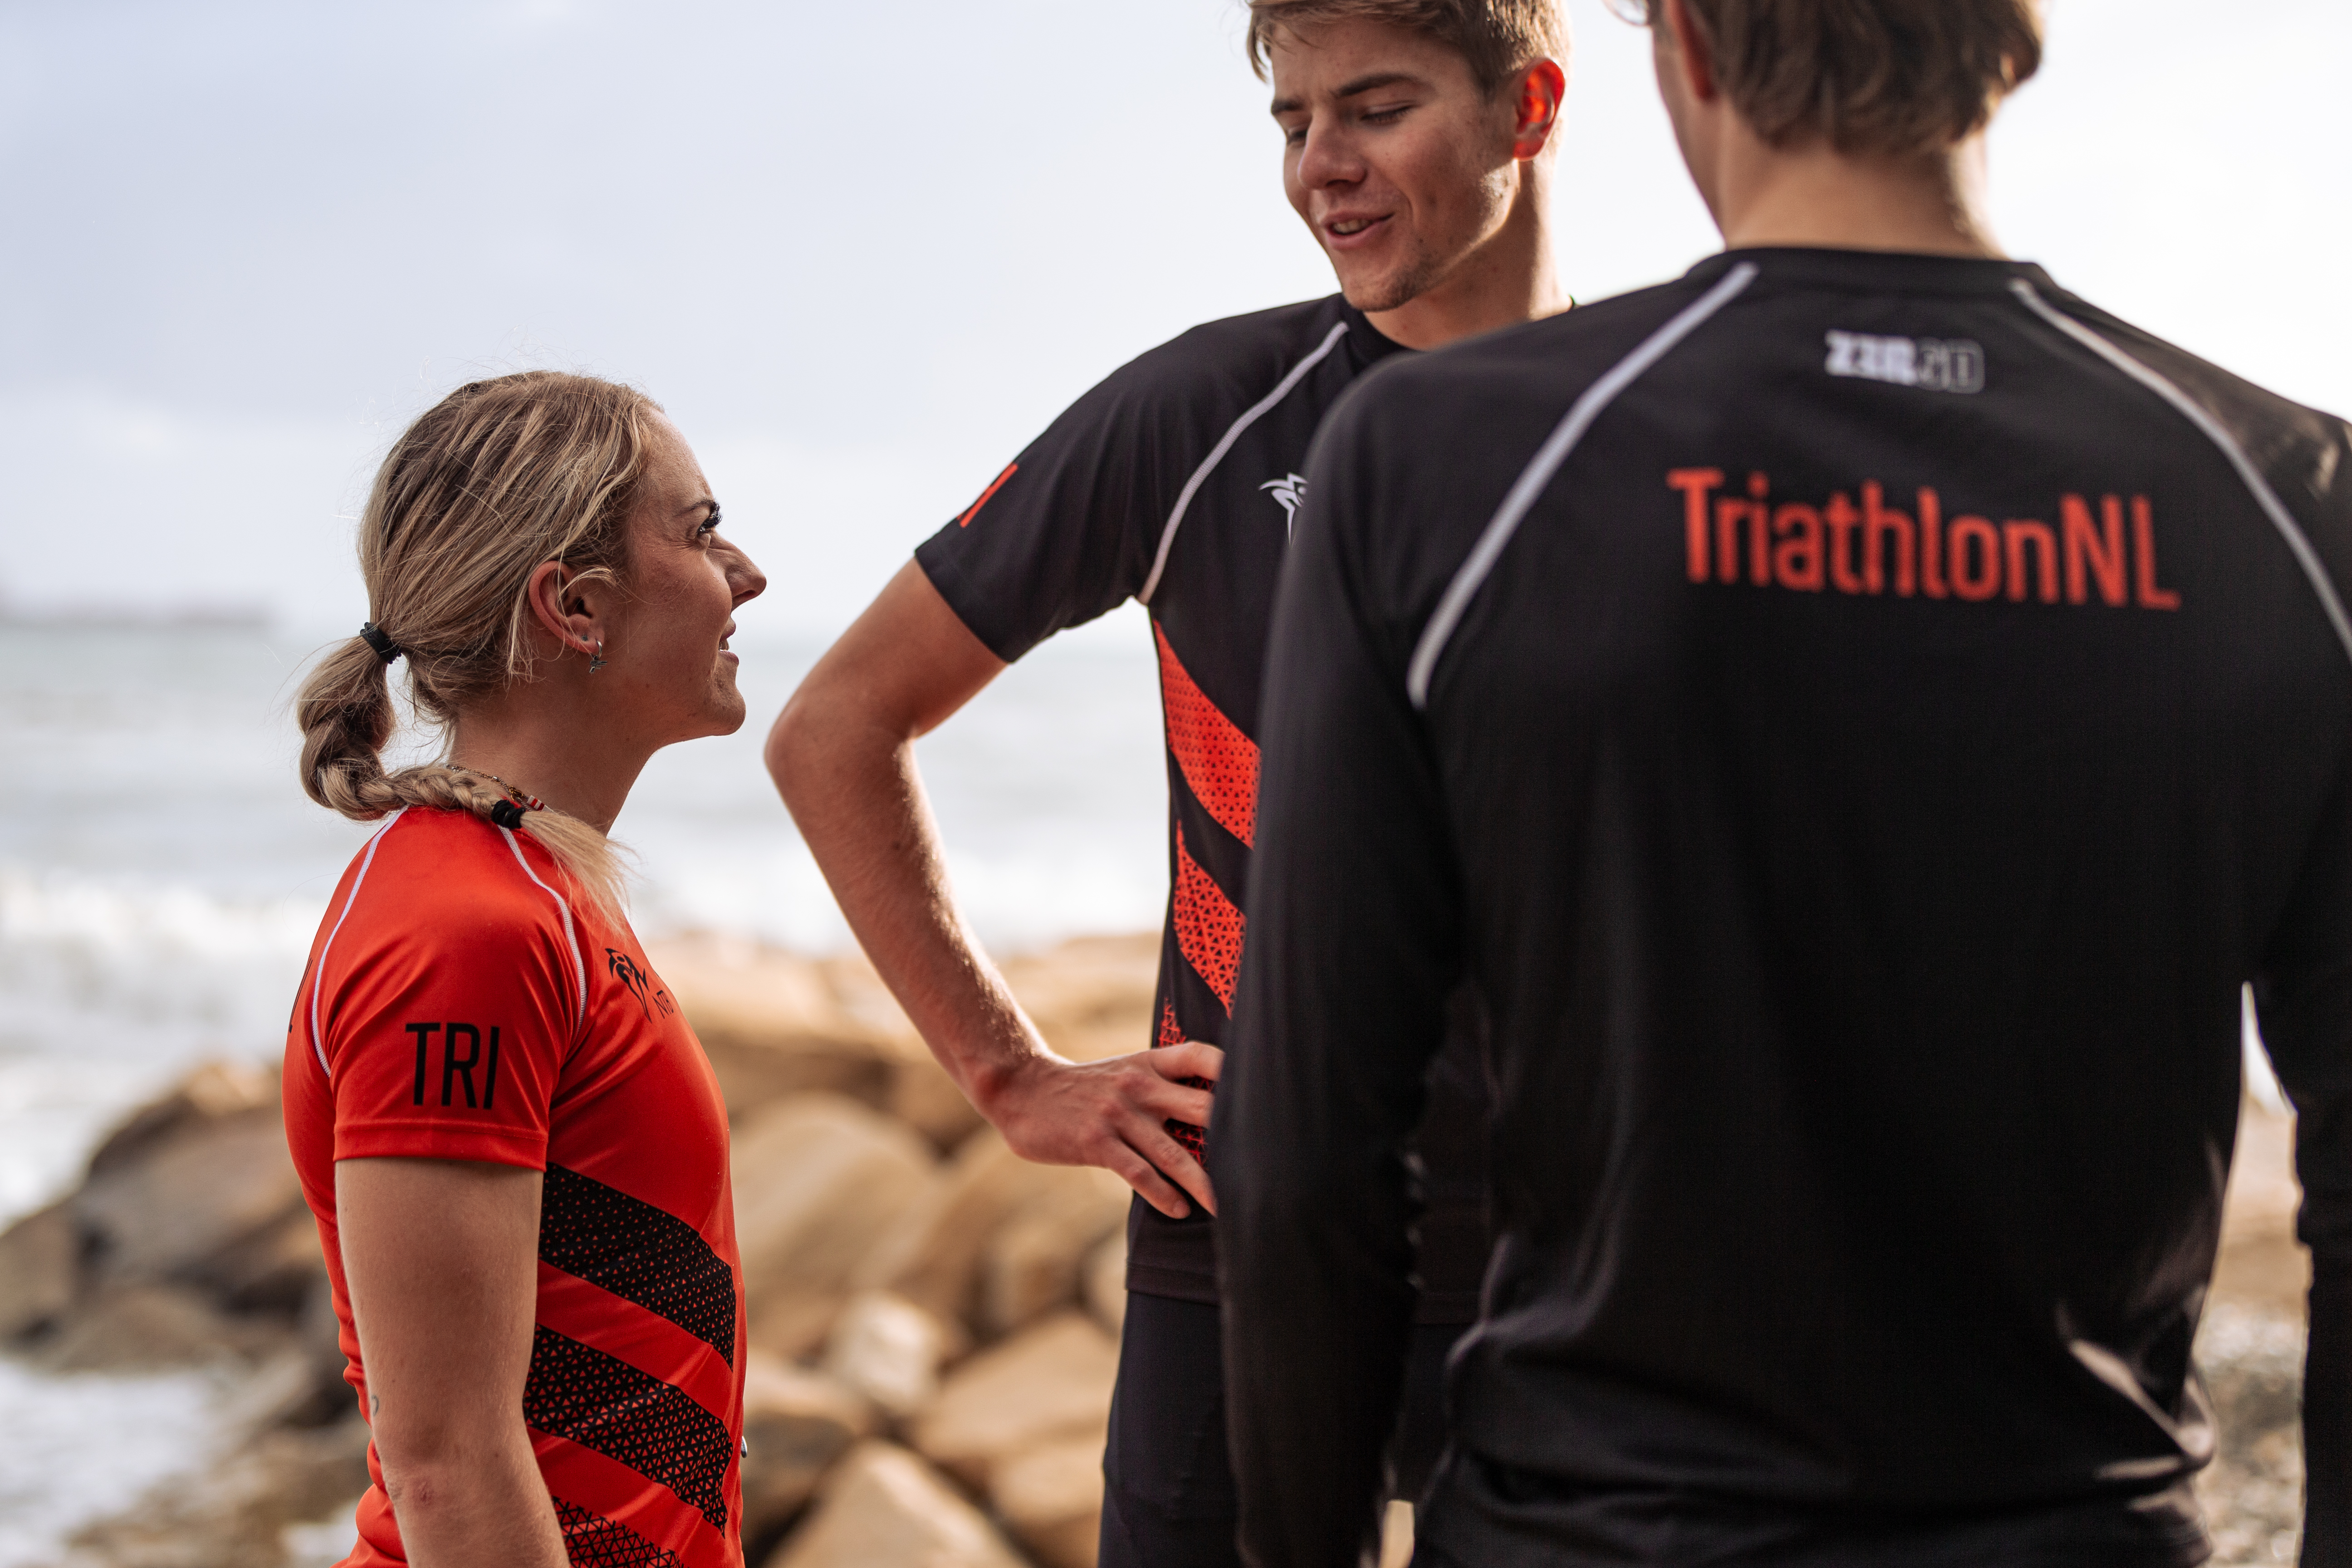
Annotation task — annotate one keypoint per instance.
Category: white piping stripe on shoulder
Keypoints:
(578, 966)
(319, 974)
(1217, 453)
(2211, 429)
(1473, 573)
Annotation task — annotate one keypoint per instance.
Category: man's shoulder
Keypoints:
(1456, 393)
(2270, 427)
(1240, 356)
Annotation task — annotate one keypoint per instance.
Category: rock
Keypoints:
(772, 1027)
(926, 1098)
(1050, 1497)
(38, 1268)
(1106, 1282)
(796, 1423)
(210, 1093)
(150, 1328)
(273, 1269)
(2262, 1263)
(890, 1351)
(1092, 995)
(932, 1256)
(174, 1207)
(817, 1177)
(1033, 1263)
(883, 1508)
(238, 1512)
(1049, 1384)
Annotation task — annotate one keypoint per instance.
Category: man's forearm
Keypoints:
(842, 755)
(851, 787)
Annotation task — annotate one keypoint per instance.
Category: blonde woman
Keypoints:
(512, 1140)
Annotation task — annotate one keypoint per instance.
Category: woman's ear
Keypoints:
(561, 609)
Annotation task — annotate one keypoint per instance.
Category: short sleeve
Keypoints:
(445, 1038)
(1069, 530)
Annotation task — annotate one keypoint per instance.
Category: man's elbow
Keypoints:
(788, 744)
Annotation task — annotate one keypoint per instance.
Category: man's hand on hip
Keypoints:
(1112, 1114)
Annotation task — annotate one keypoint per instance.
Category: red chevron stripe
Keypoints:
(1218, 762)
(1209, 930)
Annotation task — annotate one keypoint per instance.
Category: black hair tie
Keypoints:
(507, 815)
(385, 649)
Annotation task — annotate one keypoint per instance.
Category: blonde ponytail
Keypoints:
(497, 477)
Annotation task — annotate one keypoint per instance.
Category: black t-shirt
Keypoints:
(1174, 482)
(1857, 721)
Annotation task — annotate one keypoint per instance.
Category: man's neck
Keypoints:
(1509, 278)
(1814, 196)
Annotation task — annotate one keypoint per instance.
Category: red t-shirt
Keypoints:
(457, 1006)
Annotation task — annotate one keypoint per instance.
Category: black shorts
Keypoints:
(1168, 1487)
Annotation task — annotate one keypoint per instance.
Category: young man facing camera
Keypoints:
(1416, 150)
(1857, 715)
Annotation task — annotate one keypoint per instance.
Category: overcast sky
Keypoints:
(863, 252)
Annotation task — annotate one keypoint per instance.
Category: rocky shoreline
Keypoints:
(933, 1322)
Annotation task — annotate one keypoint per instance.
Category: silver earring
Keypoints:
(597, 661)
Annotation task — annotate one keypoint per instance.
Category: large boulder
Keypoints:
(1050, 1383)
(39, 1258)
(934, 1254)
(174, 1203)
(883, 1508)
(817, 1177)
(211, 1092)
(1092, 995)
(152, 1328)
(274, 1269)
(926, 1098)
(797, 1424)
(1035, 1261)
(1051, 1498)
(239, 1510)
(771, 1025)
(890, 1351)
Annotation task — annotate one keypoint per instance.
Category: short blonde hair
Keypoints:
(495, 479)
(1497, 38)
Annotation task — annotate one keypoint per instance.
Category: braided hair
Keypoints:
(495, 479)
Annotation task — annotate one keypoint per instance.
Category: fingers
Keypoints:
(1177, 1160)
(1149, 1186)
(1194, 1058)
(1174, 1161)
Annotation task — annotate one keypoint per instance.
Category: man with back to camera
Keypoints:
(1856, 715)
(1416, 148)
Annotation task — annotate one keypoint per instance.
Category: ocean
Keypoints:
(162, 874)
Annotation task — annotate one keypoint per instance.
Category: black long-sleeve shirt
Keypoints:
(1856, 722)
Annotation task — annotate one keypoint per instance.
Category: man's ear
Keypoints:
(1542, 86)
(557, 606)
(1693, 51)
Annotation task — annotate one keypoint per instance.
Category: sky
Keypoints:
(862, 254)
